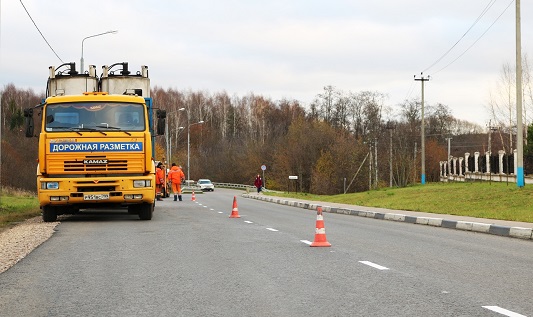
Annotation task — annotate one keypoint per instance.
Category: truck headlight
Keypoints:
(142, 183)
(50, 185)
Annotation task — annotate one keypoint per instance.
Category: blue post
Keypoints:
(423, 179)
(520, 176)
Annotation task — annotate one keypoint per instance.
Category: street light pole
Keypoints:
(169, 146)
(95, 35)
(189, 146)
(188, 150)
(189, 142)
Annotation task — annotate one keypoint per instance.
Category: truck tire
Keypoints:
(49, 214)
(146, 211)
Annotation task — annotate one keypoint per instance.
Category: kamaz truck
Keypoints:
(96, 141)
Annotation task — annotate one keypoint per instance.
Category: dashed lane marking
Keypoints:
(374, 265)
(503, 311)
(306, 242)
(272, 229)
(247, 221)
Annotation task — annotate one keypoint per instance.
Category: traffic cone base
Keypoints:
(235, 210)
(320, 232)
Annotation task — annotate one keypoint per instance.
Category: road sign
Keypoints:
(293, 177)
(263, 167)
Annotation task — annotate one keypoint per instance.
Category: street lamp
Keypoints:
(189, 143)
(81, 60)
(169, 148)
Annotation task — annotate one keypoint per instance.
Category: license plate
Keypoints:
(95, 196)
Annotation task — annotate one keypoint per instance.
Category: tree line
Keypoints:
(341, 142)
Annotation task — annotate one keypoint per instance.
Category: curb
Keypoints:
(512, 232)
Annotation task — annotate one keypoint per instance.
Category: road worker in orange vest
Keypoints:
(176, 176)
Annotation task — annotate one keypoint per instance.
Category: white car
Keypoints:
(205, 185)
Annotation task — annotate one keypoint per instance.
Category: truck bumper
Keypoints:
(94, 192)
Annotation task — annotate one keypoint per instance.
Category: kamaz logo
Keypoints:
(94, 162)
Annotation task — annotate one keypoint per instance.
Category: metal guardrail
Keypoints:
(235, 186)
(247, 188)
(189, 189)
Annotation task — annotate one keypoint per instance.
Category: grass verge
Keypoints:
(482, 200)
(17, 206)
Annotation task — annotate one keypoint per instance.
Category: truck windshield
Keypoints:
(94, 116)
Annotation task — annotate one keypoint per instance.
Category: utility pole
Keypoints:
(519, 125)
(422, 132)
(414, 165)
(376, 158)
(370, 167)
(390, 128)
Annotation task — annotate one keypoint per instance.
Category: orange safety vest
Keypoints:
(176, 175)
(159, 176)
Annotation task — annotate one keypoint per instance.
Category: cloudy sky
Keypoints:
(276, 48)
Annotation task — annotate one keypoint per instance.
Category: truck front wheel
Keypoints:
(49, 214)
(146, 211)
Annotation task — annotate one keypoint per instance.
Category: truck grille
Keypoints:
(112, 165)
(73, 164)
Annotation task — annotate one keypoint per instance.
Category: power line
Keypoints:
(485, 10)
(40, 31)
(479, 38)
(410, 91)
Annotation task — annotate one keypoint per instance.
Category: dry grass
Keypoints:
(16, 205)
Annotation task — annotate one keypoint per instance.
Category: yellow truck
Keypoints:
(96, 141)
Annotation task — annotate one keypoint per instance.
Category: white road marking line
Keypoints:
(503, 311)
(374, 265)
(272, 229)
(306, 242)
(211, 209)
(247, 221)
(205, 206)
(220, 212)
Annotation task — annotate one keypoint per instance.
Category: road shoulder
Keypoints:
(520, 230)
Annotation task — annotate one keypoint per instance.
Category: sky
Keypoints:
(279, 49)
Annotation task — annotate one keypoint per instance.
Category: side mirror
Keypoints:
(161, 121)
(161, 126)
(28, 118)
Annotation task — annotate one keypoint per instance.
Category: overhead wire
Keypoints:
(44, 38)
(410, 91)
(485, 10)
(481, 15)
(479, 38)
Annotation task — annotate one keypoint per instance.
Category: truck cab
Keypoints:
(96, 147)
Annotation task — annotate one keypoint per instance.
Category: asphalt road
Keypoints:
(191, 259)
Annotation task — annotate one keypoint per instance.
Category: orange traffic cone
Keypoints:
(235, 210)
(193, 198)
(320, 233)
